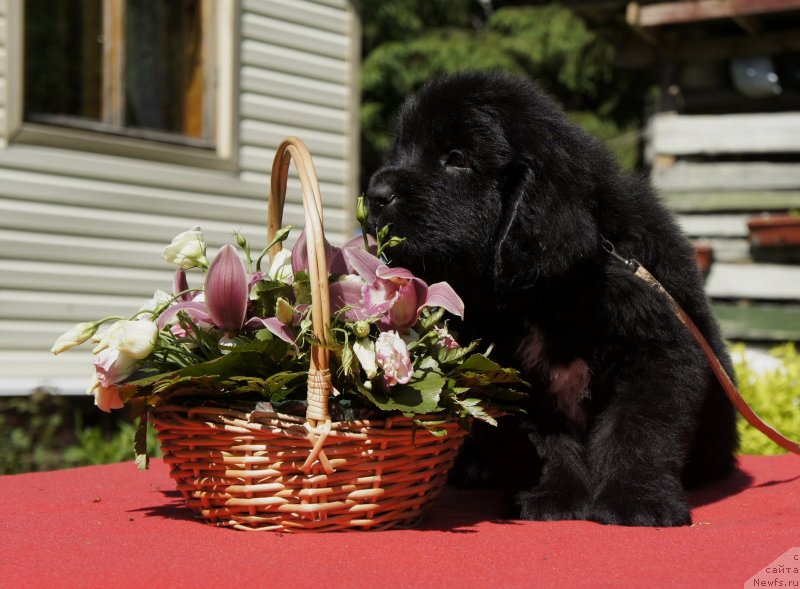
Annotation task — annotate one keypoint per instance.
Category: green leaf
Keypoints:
(278, 381)
(453, 355)
(475, 408)
(481, 370)
(419, 396)
(432, 428)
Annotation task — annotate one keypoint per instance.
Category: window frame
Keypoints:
(135, 143)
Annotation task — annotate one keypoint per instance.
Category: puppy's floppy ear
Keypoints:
(548, 225)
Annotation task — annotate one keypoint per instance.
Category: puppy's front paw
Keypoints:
(549, 503)
(640, 507)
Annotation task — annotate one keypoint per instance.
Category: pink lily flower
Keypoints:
(393, 294)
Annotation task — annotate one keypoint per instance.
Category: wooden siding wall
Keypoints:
(3, 68)
(81, 233)
(715, 172)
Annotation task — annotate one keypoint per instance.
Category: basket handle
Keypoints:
(319, 375)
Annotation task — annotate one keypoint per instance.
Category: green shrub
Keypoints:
(774, 395)
(42, 431)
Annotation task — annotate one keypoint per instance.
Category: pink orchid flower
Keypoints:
(394, 295)
(227, 290)
(334, 256)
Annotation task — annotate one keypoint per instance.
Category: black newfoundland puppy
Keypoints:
(499, 194)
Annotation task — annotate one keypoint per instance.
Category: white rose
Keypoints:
(187, 250)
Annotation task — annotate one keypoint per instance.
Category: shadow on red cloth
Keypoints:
(460, 510)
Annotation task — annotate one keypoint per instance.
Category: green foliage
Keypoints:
(46, 432)
(774, 396)
(94, 446)
(547, 43)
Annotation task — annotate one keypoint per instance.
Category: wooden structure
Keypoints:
(723, 142)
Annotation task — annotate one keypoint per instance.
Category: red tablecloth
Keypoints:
(112, 526)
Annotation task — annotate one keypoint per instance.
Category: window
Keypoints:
(127, 69)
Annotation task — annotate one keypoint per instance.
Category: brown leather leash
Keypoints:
(725, 380)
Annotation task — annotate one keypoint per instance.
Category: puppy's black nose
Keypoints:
(380, 192)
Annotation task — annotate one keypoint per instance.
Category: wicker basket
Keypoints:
(260, 470)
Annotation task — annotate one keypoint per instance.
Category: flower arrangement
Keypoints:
(246, 335)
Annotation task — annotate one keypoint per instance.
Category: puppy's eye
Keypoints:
(456, 159)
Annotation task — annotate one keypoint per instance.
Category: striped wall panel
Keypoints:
(81, 234)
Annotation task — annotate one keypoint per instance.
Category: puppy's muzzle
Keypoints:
(381, 191)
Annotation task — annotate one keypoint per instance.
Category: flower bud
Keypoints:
(361, 329)
(284, 311)
(75, 336)
(361, 211)
(187, 250)
(364, 349)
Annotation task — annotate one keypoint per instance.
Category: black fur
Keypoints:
(498, 194)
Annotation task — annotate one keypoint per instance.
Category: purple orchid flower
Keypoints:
(180, 285)
(393, 294)
(227, 289)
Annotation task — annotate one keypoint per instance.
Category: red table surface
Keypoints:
(113, 526)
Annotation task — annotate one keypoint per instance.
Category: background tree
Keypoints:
(408, 41)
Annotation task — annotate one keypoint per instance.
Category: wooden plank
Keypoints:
(761, 282)
(65, 307)
(737, 133)
(738, 176)
(714, 225)
(42, 217)
(668, 13)
(30, 335)
(117, 196)
(41, 368)
(121, 170)
(302, 12)
(728, 250)
(79, 249)
(263, 55)
(270, 135)
(26, 370)
(758, 322)
(256, 159)
(700, 202)
(295, 88)
(43, 276)
(294, 36)
(62, 190)
(287, 112)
